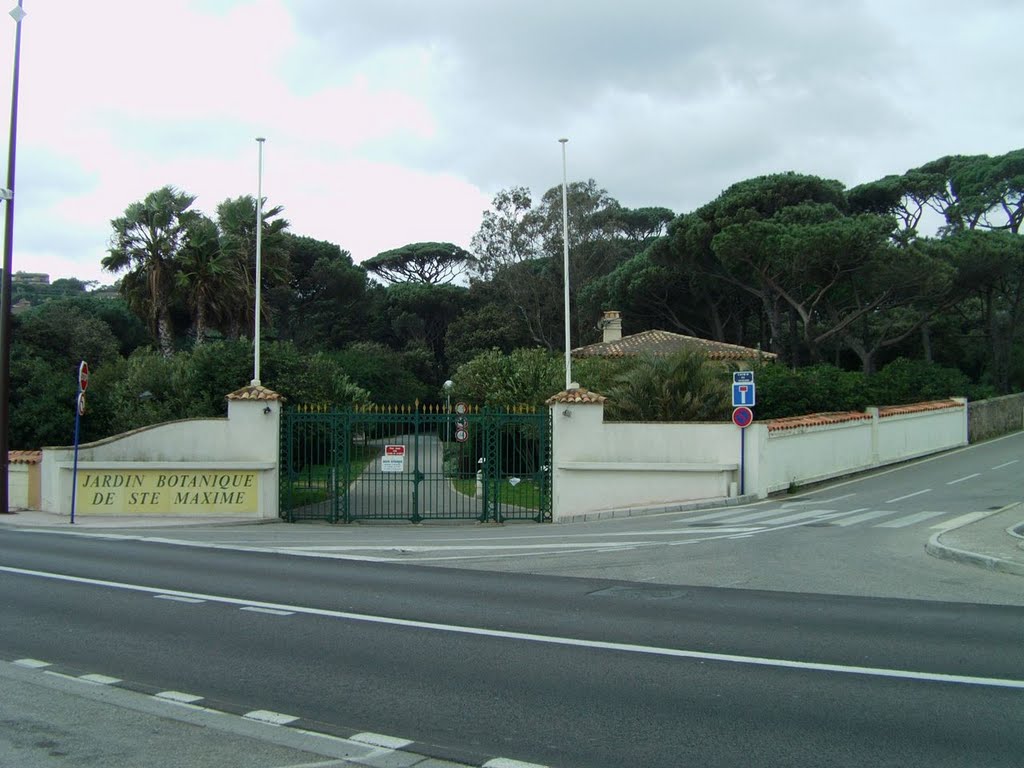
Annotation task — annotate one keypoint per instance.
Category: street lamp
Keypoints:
(565, 260)
(448, 409)
(18, 14)
(259, 264)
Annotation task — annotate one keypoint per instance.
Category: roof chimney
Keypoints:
(611, 324)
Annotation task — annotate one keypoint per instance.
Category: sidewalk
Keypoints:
(33, 519)
(54, 719)
(995, 541)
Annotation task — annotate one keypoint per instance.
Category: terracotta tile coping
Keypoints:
(24, 457)
(839, 417)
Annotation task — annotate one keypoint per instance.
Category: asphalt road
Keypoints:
(551, 670)
(863, 537)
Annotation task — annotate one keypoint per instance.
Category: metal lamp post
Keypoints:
(565, 260)
(259, 265)
(18, 14)
(448, 410)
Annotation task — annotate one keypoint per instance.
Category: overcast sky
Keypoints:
(396, 121)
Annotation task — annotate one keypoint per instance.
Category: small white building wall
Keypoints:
(809, 454)
(907, 435)
(248, 439)
(601, 467)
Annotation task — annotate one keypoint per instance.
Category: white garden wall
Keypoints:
(226, 466)
(604, 469)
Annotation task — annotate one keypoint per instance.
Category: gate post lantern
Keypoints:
(448, 410)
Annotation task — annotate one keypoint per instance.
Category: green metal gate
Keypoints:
(415, 463)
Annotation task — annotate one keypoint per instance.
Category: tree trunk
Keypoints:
(165, 333)
(926, 343)
(200, 323)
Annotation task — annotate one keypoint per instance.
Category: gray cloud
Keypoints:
(668, 102)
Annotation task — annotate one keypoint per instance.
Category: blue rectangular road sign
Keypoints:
(743, 394)
(742, 377)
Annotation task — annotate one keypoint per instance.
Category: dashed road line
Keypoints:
(962, 479)
(270, 611)
(502, 762)
(100, 679)
(1003, 466)
(179, 599)
(269, 717)
(32, 663)
(381, 740)
(908, 496)
(178, 697)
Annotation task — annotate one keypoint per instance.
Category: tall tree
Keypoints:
(146, 241)
(427, 263)
(203, 275)
(236, 220)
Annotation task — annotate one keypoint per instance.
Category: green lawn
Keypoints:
(525, 495)
(313, 482)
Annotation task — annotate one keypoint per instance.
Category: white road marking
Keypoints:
(818, 501)
(504, 762)
(380, 740)
(809, 666)
(100, 679)
(178, 599)
(1003, 466)
(271, 611)
(956, 522)
(862, 517)
(903, 522)
(273, 718)
(32, 663)
(961, 479)
(178, 697)
(908, 496)
(799, 516)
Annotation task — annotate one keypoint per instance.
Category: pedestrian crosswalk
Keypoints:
(795, 514)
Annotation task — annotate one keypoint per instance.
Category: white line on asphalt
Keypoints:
(273, 718)
(100, 679)
(908, 496)
(1003, 466)
(380, 740)
(848, 521)
(903, 522)
(178, 599)
(32, 663)
(810, 666)
(961, 479)
(271, 611)
(799, 516)
(504, 762)
(178, 697)
(956, 522)
(818, 501)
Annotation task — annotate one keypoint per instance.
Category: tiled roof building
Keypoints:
(662, 343)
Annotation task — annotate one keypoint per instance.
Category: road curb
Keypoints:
(936, 548)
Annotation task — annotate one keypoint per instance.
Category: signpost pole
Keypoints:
(743, 445)
(74, 470)
(83, 383)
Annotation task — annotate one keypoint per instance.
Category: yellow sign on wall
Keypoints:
(168, 492)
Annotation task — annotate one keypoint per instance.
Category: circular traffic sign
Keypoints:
(742, 417)
(461, 435)
(81, 403)
(461, 408)
(83, 376)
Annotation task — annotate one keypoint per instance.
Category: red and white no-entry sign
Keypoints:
(393, 459)
(83, 376)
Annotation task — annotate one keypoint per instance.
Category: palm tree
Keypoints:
(683, 387)
(236, 219)
(204, 276)
(146, 241)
